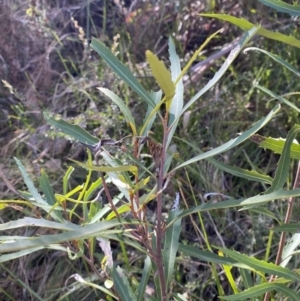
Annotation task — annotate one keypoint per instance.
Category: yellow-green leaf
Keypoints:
(246, 25)
(276, 145)
(162, 76)
(122, 209)
(121, 168)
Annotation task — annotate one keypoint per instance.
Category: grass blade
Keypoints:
(92, 230)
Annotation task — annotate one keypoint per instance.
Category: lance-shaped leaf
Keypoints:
(261, 289)
(47, 189)
(145, 278)
(262, 266)
(162, 76)
(256, 200)
(120, 168)
(275, 57)
(276, 145)
(282, 170)
(72, 130)
(122, 286)
(121, 70)
(99, 229)
(246, 25)
(171, 243)
(124, 109)
(231, 57)
(280, 98)
(177, 102)
(233, 142)
(250, 175)
(283, 7)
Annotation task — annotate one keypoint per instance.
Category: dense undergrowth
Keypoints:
(49, 66)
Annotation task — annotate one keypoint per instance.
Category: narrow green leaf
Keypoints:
(66, 179)
(282, 170)
(246, 25)
(291, 228)
(38, 222)
(103, 211)
(280, 98)
(144, 281)
(72, 130)
(260, 290)
(290, 248)
(283, 7)
(91, 230)
(122, 286)
(247, 278)
(276, 145)
(262, 266)
(162, 76)
(124, 109)
(153, 113)
(171, 245)
(250, 175)
(276, 58)
(121, 70)
(231, 57)
(121, 168)
(256, 200)
(148, 121)
(37, 197)
(209, 256)
(262, 210)
(233, 142)
(177, 102)
(49, 194)
(93, 187)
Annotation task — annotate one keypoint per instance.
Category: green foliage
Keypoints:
(281, 6)
(246, 25)
(130, 183)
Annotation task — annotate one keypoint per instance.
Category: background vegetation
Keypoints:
(47, 65)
